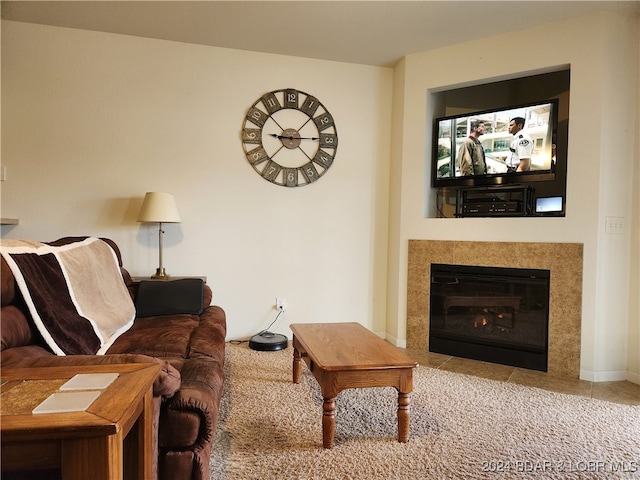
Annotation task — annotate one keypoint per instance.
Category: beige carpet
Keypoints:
(461, 427)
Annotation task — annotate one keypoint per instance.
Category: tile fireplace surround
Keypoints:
(563, 260)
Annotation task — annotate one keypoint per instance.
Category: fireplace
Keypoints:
(495, 314)
(563, 260)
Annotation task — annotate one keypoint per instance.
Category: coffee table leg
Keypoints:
(328, 421)
(404, 415)
(297, 364)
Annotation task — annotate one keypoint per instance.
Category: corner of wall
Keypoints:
(394, 265)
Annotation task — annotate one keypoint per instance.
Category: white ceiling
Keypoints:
(364, 32)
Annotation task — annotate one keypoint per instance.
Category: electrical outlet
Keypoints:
(614, 225)
(280, 304)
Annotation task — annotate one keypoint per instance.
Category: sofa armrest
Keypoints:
(189, 418)
(208, 339)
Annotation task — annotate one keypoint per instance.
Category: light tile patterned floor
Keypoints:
(619, 392)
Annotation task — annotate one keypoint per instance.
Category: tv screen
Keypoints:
(481, 148)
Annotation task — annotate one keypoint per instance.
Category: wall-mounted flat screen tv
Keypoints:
(502, 149)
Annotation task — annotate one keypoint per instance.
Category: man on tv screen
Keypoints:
(471, 154)
(521, 148)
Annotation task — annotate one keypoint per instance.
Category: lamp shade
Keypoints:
(159, 207)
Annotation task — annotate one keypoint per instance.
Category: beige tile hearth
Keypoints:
(618, 392)
(492, 371)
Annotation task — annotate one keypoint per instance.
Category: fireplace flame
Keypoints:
(480, 321)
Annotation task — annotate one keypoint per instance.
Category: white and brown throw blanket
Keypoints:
(75, 293)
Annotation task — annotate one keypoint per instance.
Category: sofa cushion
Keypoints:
(184, 295)
(165, 336)
(16, 330)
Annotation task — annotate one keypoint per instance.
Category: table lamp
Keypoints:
(161, 208)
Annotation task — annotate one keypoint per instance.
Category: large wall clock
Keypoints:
(289, 137)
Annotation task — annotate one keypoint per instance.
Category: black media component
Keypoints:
(512, 201)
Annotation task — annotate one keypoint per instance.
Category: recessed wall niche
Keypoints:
(448, 101)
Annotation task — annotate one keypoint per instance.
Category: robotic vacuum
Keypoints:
(268, 342)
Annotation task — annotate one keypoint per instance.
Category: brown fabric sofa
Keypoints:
(190, 347)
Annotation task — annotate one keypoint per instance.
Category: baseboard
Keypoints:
(395, 341)
(609, 376)
(633, 377)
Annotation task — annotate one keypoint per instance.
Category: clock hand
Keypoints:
(290, 137)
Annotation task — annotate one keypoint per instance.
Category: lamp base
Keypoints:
(160, 274)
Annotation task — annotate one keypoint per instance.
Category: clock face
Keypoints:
(289, 138)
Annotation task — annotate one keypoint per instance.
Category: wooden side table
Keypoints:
(110, 440)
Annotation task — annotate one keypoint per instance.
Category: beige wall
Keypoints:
(91, 121)
(602, 52)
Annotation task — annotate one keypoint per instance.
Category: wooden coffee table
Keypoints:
(110, 440)
(347, 355)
